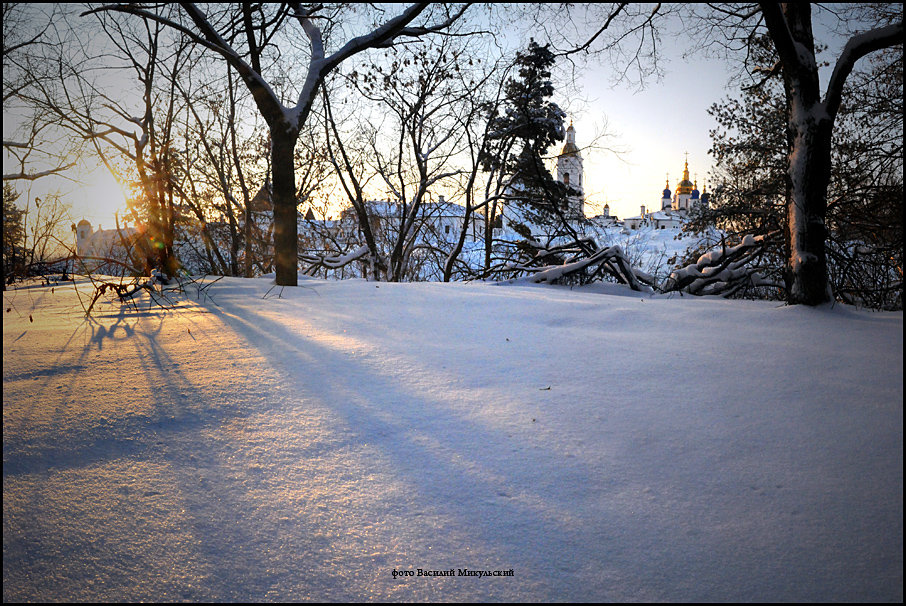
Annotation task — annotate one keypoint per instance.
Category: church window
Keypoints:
(566, 178)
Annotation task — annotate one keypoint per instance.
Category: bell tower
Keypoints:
(570, 173)
(83, 235)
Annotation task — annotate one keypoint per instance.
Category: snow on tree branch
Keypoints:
(612, 261)
(723, 271)
(333, 261)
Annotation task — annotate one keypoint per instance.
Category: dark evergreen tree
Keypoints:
(14, 254)
(750, 152)
(528, 126)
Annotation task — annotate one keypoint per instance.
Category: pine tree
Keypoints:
(529, 125)
(13, 236)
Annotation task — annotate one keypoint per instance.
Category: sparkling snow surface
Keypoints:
(603, 445)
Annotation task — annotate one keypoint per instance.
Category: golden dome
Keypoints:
(569, 149)
(685, 186)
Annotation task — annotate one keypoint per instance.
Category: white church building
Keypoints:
(570, 173)
(95, 245)
(673, 208)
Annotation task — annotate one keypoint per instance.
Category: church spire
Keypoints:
(569, 172)
(685, 186)
(570, 148)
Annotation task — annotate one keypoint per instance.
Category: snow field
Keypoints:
(604, 445)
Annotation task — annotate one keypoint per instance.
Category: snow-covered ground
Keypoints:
(650, 249)
(600, 444)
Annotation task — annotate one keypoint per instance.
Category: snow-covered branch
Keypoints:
(612, 261)
(780, 33)
(333, 261)
(723, 271)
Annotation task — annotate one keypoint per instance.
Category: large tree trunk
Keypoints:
(809, 129)
(286, 242)
(809, 174)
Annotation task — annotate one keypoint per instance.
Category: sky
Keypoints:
(649, 134)
(651, 131)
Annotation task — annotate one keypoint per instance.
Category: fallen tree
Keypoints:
(579, 261)
(728, 270)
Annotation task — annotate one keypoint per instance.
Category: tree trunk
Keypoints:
(286, 240)
(490, 218)
(809, 128)
(450, 261)
(809, 174)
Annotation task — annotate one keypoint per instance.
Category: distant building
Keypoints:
(674, 207)
(446, 220)
(570, 172)
(438, 223)
(605, 219)
(95, 248)
(687, 195)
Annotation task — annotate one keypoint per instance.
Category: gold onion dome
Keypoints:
(685, 186)
(569, 148)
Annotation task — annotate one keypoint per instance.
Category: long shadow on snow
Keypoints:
(175, 409)
(489, 507)
(233, 568)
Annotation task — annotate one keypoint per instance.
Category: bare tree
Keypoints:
(222, 30)
(487, 81)
(811, 116)
(810, 128)
(220, 171)
(33, 235)
(864, 214)
(418, 102)
(130, 129)
(37, 146)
